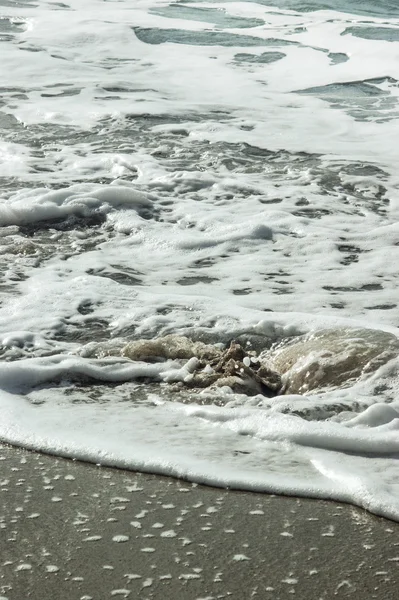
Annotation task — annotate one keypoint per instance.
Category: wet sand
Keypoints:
(74, 531)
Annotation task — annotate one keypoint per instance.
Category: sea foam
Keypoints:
(217, 172)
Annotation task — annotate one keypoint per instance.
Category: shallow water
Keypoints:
(220, 170)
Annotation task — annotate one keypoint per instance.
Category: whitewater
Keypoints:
(216, 171)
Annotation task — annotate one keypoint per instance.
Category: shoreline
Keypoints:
(76, 531)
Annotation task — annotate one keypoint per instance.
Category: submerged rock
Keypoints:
(208, 365)
(212, 367)
(325, 359)
(240, 371)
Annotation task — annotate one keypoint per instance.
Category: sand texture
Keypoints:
(74, 531)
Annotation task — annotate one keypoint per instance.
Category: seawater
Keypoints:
(218, 170)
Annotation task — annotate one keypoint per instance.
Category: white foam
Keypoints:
(216, 194)
(81, 200)
(35, 371)
(251, 449)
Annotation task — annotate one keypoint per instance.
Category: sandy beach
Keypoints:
(76, 531)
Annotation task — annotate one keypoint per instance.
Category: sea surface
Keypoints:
(216, 170)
